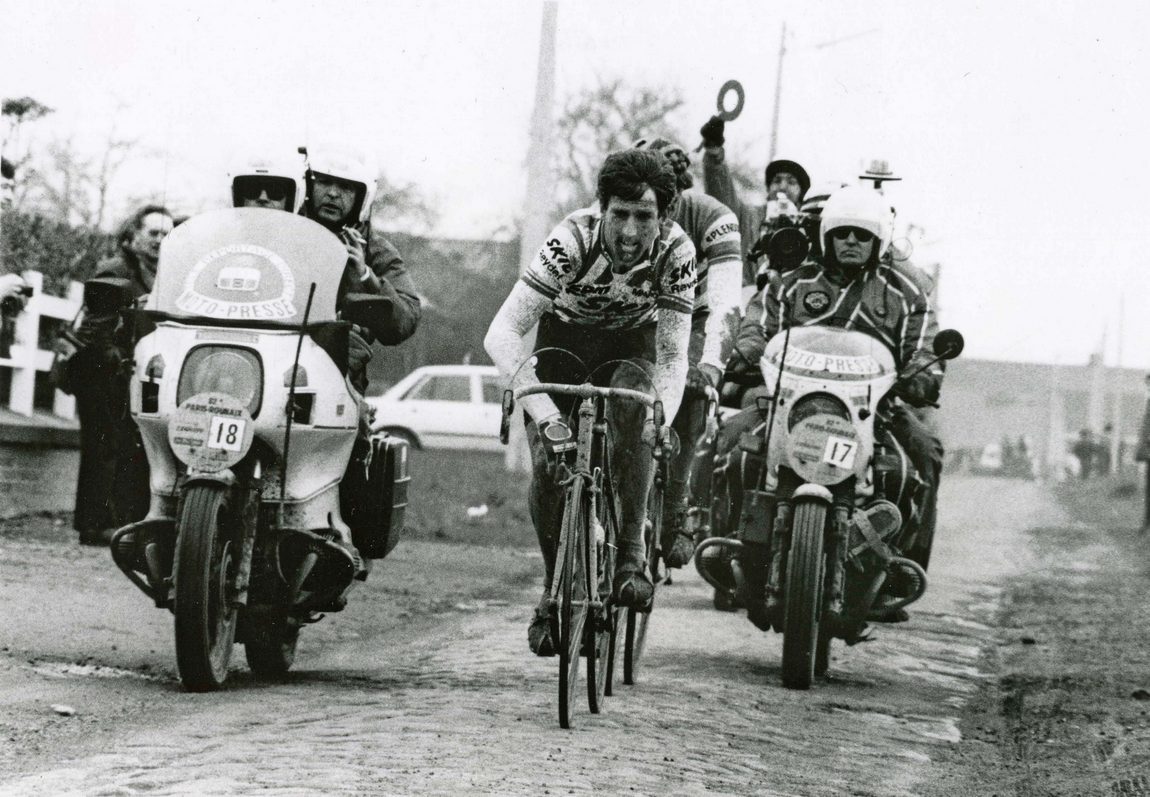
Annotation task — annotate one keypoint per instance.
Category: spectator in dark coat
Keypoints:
(112, 489)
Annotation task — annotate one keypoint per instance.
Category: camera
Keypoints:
(786, 241)
(12, 305)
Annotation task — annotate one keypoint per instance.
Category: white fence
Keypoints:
(27, 358)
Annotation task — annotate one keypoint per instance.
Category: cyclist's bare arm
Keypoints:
(724, 296)
(504, 343)
(672, 337)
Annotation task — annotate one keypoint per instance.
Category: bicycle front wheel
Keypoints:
(601, 548)
(635, 634)
(572, 594)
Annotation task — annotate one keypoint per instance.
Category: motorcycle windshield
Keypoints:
(251, 265)
(841, 355)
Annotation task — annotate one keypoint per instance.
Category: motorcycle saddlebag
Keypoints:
(377, 517)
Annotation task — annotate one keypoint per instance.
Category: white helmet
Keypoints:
(349, 164)
(281, 176)
(855, 206)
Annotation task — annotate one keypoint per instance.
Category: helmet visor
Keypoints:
(253, 187)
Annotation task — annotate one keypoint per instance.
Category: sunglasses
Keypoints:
(252, 188)
(861, 235)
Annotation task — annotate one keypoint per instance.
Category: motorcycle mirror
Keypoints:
(103, 295)
(948, 344)
(366, 309)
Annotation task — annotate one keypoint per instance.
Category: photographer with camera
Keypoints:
(786, 182)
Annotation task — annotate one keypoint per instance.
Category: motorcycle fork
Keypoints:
(249, 517)
(836, 556)
(780, 544)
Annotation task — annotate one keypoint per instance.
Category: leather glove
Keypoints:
(919, 391)
(712, 132)
(358, 350)
(557, 438)
(668, 437)
(701, 377)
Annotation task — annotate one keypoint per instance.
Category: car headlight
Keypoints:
(817, 404)
(223, 369)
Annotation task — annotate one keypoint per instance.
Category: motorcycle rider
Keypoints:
(785, 177)
(263, 182)
(854, 287)
(714, 230)
(613, 282)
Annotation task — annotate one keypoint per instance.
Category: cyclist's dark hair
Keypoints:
(628, 174)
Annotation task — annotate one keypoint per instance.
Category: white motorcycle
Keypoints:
(241, 395)
(812, 527)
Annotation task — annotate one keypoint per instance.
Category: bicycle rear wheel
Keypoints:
(571, 593)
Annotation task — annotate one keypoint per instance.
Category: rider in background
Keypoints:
(714, 230)
(274, 183)
(341, 185)
(611, 283)
(855, 287)
(783, 177)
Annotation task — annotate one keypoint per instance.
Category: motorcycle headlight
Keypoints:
(223, 369)
(817, 404)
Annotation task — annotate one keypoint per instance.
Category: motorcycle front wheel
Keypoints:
(803, 594)
(205, 619)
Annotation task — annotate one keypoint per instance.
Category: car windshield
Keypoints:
(249, 264)
(492, 390)
(442, 388)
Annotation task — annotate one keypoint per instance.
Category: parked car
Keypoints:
(444, 406)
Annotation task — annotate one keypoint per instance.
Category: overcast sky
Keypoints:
(1019, 129)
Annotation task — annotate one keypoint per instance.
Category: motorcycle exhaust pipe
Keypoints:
(917, 578)
(735, 548)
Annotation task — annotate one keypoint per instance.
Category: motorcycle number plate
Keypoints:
(840, 452)
(226, 433)
(210, 431)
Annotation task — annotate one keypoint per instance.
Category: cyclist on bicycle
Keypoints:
(614, 286)
(714, 230)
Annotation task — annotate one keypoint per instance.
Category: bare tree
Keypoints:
(612, 116)
(403, 207)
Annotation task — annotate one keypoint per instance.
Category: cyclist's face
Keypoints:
(630, 228)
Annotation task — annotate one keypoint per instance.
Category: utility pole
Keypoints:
(778, 95)
(540, 194)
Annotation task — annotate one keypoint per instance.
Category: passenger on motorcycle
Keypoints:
(854, 287)
(341, 185)
(714, 230)
(614, 285)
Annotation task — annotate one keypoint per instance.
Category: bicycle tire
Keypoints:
(601, 629)
(572, 597)
(635, 636)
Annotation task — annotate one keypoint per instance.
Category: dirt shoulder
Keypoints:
(1067, 711)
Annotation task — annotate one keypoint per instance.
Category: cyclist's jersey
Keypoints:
(714, 230)
(574, 271)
